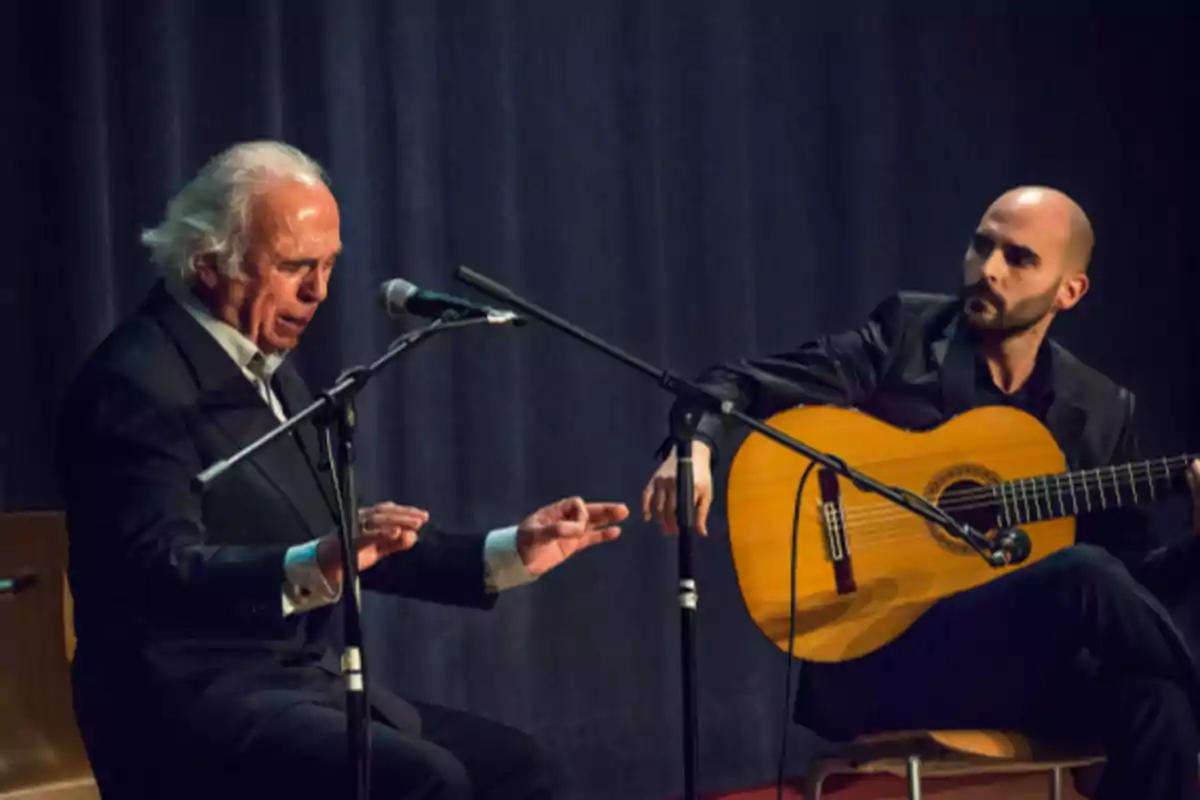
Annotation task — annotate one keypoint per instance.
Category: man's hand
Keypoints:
(551, 535)
(384, 529)
(658, 498)
(1193, 479)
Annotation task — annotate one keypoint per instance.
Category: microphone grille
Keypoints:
(395, 295)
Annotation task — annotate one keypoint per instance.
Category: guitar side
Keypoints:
(893, 564)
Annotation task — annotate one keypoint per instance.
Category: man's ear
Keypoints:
(208, 271)
(1072, 290)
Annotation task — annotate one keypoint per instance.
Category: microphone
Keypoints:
(1012, 545)
(401, 297)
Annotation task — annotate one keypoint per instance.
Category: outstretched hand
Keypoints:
(384, 529)
(551, 535)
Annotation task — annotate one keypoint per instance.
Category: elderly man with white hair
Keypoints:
(204, 664)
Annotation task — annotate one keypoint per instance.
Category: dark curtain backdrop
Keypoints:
(692, 181)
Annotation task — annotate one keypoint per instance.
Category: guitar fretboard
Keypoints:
(1071, 493)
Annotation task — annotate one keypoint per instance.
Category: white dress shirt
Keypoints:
(305, 587)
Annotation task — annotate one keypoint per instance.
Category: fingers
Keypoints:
(603, 514)
(652, 495)
(664, 505)
(596, 520)
(571, 510)
(704, 498)
(389, 510)
(575, 509)
(659, 503)
(597, 536)
(404, 541)
(391, 527)
(390, 521)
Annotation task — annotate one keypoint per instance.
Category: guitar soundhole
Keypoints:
(965, 492)
(971, 503)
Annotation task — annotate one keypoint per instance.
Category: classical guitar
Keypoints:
(867, 569)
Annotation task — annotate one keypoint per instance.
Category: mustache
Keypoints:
(982, 291)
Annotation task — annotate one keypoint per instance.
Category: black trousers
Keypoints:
(302, 754)
(1071, 646)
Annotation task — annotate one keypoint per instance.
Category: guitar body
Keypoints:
(866, 569)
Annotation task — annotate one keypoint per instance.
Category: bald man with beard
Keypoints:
(1077, 644)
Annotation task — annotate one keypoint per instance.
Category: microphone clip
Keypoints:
(493, 316)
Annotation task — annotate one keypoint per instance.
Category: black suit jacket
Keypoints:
(913, 365)
(178, 606)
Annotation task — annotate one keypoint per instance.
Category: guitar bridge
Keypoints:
(833, 522)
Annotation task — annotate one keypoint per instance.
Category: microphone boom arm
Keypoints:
(350, 383)
(709, 402)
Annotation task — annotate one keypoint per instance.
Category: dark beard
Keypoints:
(1006, 320)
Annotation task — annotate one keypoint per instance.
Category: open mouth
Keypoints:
(291, 323)
(981, 303)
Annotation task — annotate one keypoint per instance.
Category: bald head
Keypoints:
(1051, 215)
(1027, 261)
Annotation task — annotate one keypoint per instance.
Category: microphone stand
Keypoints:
(335, 408)
(685, 416)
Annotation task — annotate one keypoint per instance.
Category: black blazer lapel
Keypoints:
(295, 396)
(231, 403)
(1067, 416)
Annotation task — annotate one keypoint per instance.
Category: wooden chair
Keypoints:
(41, 753)
(918, 754)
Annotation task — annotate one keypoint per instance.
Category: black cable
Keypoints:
(787, 686)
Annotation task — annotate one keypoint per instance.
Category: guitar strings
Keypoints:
(1029, 495)
(873, 524)
(1138, 470)
(1029, 492)
(1038, 491)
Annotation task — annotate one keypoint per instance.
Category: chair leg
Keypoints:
(1056, 783)
(813, 781)
(913, 773)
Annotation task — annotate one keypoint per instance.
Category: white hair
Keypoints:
(211, 213)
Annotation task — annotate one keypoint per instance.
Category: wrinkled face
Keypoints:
(292, 241)
(1015, 272)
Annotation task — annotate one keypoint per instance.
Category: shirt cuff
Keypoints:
(504, 568)
(304, 586)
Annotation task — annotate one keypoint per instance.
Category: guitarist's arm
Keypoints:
(842, 369)
(1167, 570)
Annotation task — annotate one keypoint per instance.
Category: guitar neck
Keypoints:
(1071, 493)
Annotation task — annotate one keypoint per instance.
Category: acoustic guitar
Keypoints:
(866, 569)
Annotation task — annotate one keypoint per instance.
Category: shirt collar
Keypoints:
(243, 351)
(1040, 384)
